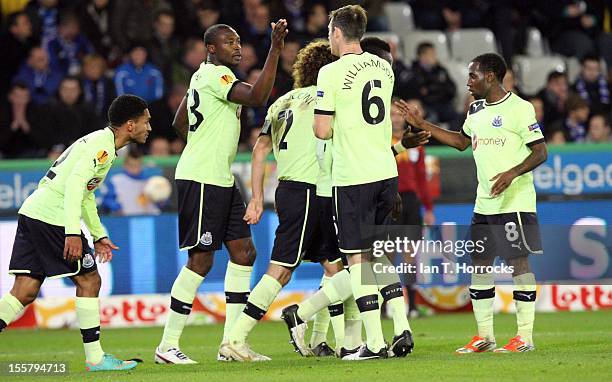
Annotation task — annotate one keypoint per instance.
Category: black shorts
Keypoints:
(38, 251)
(209, 215)
(296, 206)
(509, 235)
(324, 242)
(357, 209)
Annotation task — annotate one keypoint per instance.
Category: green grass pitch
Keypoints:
(570, 347)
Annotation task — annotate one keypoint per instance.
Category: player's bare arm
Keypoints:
(257, 95)
(323, 126)
(262, 148)
(504, 179)
(181, 120)
(414, 118)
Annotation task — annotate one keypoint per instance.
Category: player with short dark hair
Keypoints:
(49, 242)
(211, 209)
(288, 131)
(353, 110)
(507, 144)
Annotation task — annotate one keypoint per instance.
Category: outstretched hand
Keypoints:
(410, 139)
(279, 32)
(411, 114)
(253, 212)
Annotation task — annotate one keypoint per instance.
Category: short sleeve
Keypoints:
(222, 81)
(267, 125)
(466, 130)
(325, 92)
(527, 126)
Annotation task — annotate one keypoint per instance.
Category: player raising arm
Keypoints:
(209, 202)
(507, 145)
(49, 241)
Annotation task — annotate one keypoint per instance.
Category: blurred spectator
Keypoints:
(511, 84)
(159, 147)
(316, 23)
(284, 79)
(256, 30)
(555, 136)
(195, 17)
(247, 62)
(123, 194)
(16, 43)
(429, 82)
(599, 129)
(591, 85)
(95, 18)
(572, 27)
(69, 116)
(133, 21)
(44, 16)
(292, 10)
(139, 77)
(538, 107)
(98, 90)
(449, 14)
(165, 45)
(20, 120)
(574, 125)
(69, 47)
(195, 54)
(162, 113)
(554, 97)
(40, 77)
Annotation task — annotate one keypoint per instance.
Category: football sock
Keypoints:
(338, 288)
(237, 287)
(392, 292)
(352, 330)
(336, 313)
(482, 292)
(524, 298)
(10, 307)
(182, 294)
(256, 307)
(366, 297)
(88, 316)
(321, 321)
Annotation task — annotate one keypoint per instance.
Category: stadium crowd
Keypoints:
(64, 61)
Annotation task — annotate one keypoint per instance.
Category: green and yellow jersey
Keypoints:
(66, 193)
(356, 89)
(289, 123)
(214, 128)
(501, 135)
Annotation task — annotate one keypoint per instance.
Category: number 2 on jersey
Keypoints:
(193, 109)
(287, 115)
(366, 102)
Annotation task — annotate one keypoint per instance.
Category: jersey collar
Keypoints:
(500, 101)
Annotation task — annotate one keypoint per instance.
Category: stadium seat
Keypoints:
(535, 43)
(413, 39)
(458, 72)
(573, 68)
(389, 37)
(400, 17)
(532, 71)
(468, 43)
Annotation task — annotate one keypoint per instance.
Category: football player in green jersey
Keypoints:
(354, 97)
(210, 205)
(49, 242)
(288, 131)
(507, 144)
